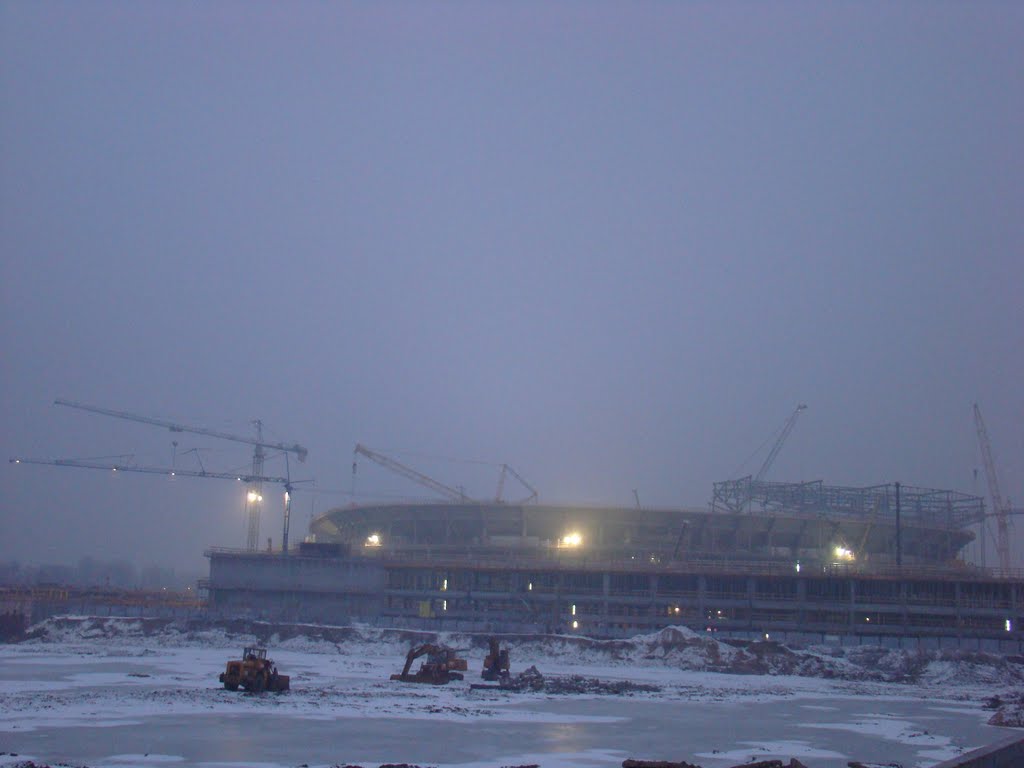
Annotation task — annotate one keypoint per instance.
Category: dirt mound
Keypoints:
(1008, 713)
(531, 680)
(674, 647)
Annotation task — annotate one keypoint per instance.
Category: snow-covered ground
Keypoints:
(121, 692)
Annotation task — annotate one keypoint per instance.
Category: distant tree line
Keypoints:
(91, 572)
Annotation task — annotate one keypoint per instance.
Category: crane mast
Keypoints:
(254, 497)
(998, 507)
(786, 429)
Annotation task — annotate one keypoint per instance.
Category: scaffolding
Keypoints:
(927, 506)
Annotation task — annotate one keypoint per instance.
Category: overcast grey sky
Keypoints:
(611, 244)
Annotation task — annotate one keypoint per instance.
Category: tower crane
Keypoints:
(999, 508)
(409, 473)
(254, 496)
(123, 466)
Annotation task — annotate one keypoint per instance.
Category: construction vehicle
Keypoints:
(441, 667)
(496, 663)
(254, 673)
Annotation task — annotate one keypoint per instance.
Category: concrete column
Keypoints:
(751, 591)
(702, 597)
(653, 610)
(606, 586)
(959, 610)
(903, 609)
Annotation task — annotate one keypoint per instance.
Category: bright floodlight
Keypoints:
(573, 539)
(253, 497)
(373, 540)
(842, 553)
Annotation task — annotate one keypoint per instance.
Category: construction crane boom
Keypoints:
(786, 429)
(170, 472)
(297, 449)
(411, 474)
(999, 509)
(507, 470)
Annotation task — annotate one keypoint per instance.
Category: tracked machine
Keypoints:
(254, 673)
(441, 667)
(496, 662)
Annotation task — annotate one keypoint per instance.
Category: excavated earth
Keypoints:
(677, 647)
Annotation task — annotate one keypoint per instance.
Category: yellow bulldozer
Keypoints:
(254, 673)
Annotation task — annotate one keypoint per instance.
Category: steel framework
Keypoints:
(948, 509)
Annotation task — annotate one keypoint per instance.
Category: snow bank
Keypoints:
(678, 648)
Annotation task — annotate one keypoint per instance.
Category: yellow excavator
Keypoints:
(441, 667)
(254, 673)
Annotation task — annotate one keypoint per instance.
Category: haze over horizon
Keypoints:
(611, 244)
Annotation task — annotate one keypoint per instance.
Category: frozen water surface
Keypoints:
(151, 702)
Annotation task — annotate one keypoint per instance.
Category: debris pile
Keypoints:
(1008, 713)
(410, 765)
(532, 680)
(793, 763)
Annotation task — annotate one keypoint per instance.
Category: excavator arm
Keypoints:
(415, 653)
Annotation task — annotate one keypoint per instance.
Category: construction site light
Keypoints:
(373, 540)
(571, 540)
(842, 553)
(575, 624)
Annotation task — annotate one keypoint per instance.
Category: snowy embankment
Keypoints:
(643, 656)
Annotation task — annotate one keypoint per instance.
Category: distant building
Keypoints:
(803, 559)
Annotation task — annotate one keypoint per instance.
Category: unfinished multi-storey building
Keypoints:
(795, 559)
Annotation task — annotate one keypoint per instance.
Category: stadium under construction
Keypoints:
(787, 560)
(877, 564)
